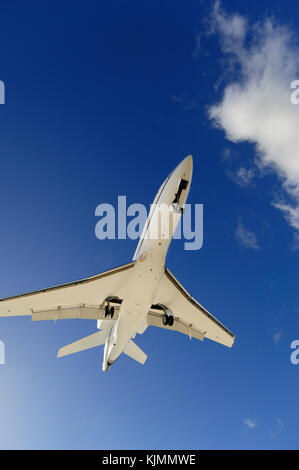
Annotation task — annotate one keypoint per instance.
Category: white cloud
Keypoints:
(251, 423)
(188, 102)
(256, 106)
(232, 27)
(242, 176)
(296, 241)
(226, 154)
(276, 337)
(245, 237)
(277, 427)
(196, 51)
(177, 99)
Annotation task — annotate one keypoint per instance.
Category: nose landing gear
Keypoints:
(176, 202)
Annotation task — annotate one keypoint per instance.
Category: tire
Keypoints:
(106, 312)
(170, 320)
(165, 319)
(111, 312)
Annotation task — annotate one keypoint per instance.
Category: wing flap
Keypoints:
(156, 319)
(89, 291)
(188, 311)
(83, 312)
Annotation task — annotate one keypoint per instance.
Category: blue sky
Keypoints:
(104, 99)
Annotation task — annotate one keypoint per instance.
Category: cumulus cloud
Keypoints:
(256, 106)
(251, 423)
(245, 237)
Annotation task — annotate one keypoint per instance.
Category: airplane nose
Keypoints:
(188, 159)
(187, 164)
(186, 167)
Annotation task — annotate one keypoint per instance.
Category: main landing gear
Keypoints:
(108, 312)
(168, 320)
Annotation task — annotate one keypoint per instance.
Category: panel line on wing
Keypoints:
(73, 283)
(179, 286)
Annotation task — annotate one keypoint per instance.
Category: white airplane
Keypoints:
(127, 299)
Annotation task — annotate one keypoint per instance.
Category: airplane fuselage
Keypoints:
(126, 300)
(149, 258)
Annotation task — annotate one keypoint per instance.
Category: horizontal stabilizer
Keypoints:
(91, 341)
(135, 352)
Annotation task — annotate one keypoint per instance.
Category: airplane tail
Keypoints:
(98, 339)
(135, 352)
(91, 341)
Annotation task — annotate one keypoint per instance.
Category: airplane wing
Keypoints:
(190, 317)
(78, 299)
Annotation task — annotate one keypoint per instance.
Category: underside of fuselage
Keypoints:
(128, 299)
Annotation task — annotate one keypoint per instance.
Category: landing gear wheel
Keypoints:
(106, 312)
(168, 320)
(109, 311)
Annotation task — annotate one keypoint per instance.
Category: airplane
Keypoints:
(126, 300)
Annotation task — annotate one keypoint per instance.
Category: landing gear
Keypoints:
(168, 320)
(178, 208)
(108, 312)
